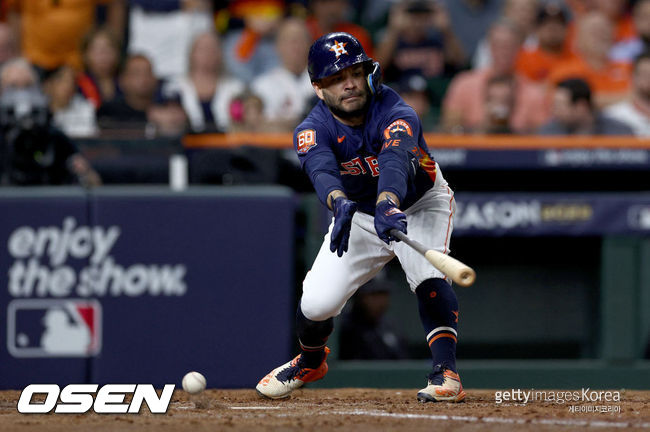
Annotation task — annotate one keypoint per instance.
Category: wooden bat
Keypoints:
(460, 273)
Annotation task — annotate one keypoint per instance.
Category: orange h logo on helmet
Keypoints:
(339, 48)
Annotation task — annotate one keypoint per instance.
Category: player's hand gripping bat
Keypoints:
(460, 273)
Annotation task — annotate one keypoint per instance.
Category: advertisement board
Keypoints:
(144, 286)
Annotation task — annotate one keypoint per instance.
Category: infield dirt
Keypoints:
(354, 410)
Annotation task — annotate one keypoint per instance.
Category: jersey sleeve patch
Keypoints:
(305, 140)
(397, 129)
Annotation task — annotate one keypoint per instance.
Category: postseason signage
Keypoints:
(538, 214)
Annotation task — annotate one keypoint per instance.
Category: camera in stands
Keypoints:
(23, 109)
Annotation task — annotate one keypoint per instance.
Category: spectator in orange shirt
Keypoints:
(537, 62)
(464, 108)
(50, 32)
(328, 16)
(609, 81)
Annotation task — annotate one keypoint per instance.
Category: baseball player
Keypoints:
(363, 149)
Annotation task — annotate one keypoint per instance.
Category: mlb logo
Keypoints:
(54, 328)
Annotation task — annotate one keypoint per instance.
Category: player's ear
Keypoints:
(317, 89)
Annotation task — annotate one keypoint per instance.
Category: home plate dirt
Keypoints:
(354, 410)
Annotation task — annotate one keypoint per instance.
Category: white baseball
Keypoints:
(194, 382)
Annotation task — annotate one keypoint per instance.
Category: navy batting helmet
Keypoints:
(334, 52)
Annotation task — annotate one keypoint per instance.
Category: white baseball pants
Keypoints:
(333, 280)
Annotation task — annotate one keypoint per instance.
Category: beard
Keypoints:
(338, 108)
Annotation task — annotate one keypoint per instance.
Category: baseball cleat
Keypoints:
(281, 381)
(442, 386)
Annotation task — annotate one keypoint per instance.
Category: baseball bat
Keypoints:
(460, 273)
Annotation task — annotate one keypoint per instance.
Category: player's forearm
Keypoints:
(323, 172)
(326, 184)
(394, 174)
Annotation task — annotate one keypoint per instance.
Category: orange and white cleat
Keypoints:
(442, 386)
(281, 381)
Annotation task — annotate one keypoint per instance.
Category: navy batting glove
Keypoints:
(343, 211)
(387, 217)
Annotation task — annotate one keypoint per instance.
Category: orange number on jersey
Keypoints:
(306, 140)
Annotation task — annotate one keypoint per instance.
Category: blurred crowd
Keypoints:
(164, 68)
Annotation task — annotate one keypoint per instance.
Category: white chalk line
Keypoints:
(444, 417)
(504, 420)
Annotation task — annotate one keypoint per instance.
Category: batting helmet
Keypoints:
(336, 51)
